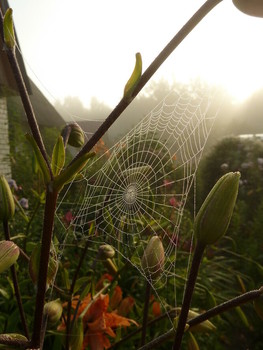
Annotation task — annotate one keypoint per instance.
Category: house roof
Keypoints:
(7, 82)
(46, 114)
(89, 126)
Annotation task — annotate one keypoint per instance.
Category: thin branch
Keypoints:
(219, 309)
(227, 305)
(149, 72)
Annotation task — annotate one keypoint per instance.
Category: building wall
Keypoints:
(5, 166)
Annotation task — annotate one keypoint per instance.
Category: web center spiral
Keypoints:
(130, 194)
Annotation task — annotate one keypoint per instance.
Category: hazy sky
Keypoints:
(87, 48)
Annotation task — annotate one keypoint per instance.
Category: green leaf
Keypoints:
(40, 160)
(77, 335)
(135, 77)
(192, 343)
(79, 283)
(242, 316)
(9, 34)
(4, 293)
(258, 305)
(58, 157)
(72, 170)
(85, 291)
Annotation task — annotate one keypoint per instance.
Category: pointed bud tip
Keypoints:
(215, 213)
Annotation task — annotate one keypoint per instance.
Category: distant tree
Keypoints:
(248, 117)
(235, 154)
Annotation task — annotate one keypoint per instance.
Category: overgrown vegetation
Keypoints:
(87, 294)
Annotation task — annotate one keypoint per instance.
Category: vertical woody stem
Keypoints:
(50, 206)
(199, 250)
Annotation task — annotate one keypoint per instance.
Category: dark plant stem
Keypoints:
(49, 213)
(227, 305)
(217, 310)
(149, 72)
(68, 323)
(43, 331)
(145, 312)
(198, 253)
(32, 122)
(16, 285)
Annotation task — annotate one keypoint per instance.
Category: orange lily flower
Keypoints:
(98, 323)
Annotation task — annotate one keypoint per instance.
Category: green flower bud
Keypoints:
(7, 203)
(134, 78)
(215, 213)
(9, 253)
(106, 251)
(250, 7)
(53, 309)
(75, 134)
(153, 258)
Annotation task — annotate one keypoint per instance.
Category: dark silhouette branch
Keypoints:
(217, 310)
(149, 72)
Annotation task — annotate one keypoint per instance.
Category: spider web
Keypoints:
(142, 183)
